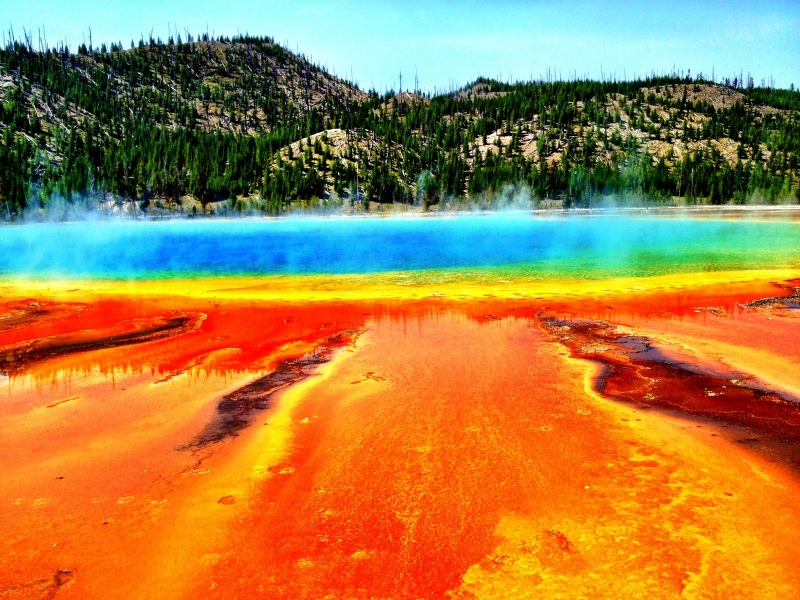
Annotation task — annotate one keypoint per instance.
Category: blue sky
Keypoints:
(449, 42)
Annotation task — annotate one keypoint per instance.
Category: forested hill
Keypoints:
(244, 124)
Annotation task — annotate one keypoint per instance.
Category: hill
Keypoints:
(245, 124)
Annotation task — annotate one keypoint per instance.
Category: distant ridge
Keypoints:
(243, 124)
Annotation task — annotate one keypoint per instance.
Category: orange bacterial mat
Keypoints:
(625, 439)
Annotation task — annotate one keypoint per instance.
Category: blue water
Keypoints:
(581, 246)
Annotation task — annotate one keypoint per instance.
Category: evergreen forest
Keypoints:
(200, 125)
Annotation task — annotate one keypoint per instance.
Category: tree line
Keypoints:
(246, 122)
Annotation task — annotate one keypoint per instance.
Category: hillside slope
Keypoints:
(244, 123)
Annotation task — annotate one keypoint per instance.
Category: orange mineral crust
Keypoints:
(195, 445)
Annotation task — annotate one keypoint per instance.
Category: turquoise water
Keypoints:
(515, 244)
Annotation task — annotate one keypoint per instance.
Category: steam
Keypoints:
(510, 198)
(97, 205)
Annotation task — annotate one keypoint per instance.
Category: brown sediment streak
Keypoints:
(20, 313)
(235, 408)
(15, 358)
(60, 402)
(791, 301)
(634, 370)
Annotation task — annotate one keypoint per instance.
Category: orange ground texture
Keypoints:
(452, 450)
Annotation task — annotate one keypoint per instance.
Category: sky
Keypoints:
(449, 43)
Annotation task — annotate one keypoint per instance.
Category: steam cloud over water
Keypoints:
(575, 246)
